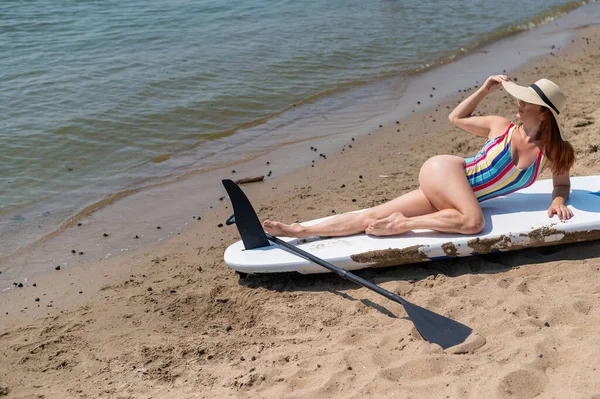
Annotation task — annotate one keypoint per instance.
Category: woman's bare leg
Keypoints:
(442, 179)
(444, 202)
(414, 203)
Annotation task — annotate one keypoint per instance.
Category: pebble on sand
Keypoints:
(57, 267)
(136, 237)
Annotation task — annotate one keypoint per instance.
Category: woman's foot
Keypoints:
(389, 226)
(283, 230)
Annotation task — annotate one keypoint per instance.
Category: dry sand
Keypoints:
(172, 320)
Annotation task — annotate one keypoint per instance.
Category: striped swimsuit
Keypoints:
(492, 173)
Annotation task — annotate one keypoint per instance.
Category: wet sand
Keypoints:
(171, 320)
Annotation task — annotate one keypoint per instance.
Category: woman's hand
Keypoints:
(561, 211)
(493, 83)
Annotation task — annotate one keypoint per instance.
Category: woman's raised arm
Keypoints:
(485, 126)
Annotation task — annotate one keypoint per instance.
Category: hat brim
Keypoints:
(529, 95)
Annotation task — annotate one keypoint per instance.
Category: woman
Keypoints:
(451, 187)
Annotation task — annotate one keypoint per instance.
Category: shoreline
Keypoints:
(142, 206)
(172, 320)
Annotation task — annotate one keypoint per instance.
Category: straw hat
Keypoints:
(544, 92)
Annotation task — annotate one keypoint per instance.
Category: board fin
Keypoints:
(246, 220)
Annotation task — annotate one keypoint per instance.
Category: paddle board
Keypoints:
(515, 221)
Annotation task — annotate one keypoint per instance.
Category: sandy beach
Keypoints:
(171, 320)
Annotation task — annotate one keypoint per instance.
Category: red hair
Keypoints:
(560, 153)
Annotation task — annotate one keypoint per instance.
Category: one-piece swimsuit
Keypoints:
(492, 173)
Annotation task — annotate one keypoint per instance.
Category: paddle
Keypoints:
(433, 327)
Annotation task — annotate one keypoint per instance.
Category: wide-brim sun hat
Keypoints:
(544, 92)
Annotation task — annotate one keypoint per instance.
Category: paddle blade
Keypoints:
(251, 231)
(436, 328)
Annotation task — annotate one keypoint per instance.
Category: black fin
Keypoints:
(251, 231)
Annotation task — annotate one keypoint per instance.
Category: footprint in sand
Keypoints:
(522, 384)
(504, 283)
(523, 287)
(418, 369)
(582, 307)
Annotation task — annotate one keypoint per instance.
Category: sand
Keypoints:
(171, 320)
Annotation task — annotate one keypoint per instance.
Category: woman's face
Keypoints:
(529, 114)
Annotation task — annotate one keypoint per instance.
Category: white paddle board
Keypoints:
(515, 221)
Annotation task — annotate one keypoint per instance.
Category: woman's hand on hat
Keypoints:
(493, 83)
(561, 211)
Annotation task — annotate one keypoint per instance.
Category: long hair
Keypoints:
(560, 153)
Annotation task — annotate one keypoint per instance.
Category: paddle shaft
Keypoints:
(339, 271)
(433, 327)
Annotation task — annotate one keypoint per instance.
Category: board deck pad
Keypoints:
(512, 222)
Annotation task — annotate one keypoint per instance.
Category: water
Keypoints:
(101, 98)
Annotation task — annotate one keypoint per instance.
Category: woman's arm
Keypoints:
(560, 194)
(485, 126)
